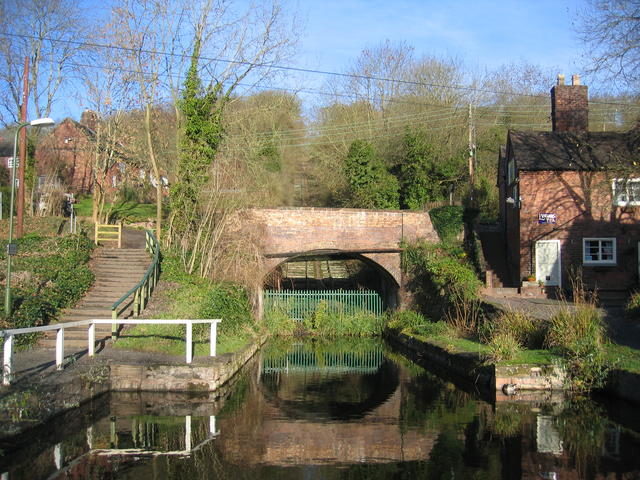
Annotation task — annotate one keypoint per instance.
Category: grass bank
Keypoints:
(183, 296)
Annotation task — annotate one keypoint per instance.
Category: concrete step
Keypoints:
(501, 292)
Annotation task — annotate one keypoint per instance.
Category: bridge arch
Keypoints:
(370, 275)
(374, 237)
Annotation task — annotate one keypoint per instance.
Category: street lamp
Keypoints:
(11, 248)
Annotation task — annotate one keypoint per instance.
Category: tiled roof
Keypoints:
(569, 151)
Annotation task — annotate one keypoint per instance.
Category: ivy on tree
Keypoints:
(201, 136)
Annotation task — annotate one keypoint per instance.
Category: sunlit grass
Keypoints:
(170, 340)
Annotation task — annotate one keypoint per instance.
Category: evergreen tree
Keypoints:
(370, 185)
(424, 175)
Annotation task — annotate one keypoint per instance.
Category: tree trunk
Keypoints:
(156, 171)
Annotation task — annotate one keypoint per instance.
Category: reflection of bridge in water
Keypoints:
(302, 359)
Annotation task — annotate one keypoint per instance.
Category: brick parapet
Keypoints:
(308, 229)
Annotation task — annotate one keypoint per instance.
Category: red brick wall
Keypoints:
(583, 206)
(67, 152)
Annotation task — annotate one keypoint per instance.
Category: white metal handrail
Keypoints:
(9, 334)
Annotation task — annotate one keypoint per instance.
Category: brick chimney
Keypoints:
(89, 119)
(570, 106)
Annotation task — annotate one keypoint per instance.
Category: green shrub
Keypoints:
(530, 333)
(57, 278)
(406, 321)
(448, 221)
(278, 323)
(445, 269)
(504, 346)
(325, 323)
(633, 305)
(579, 336)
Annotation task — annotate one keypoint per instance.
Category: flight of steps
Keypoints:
(116, 272)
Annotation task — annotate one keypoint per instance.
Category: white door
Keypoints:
(548, 262)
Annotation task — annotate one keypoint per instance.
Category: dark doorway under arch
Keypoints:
(333, 271)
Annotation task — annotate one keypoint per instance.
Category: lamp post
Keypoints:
(11, 249)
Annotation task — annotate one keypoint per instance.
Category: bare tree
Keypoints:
(610, 30)
(48, 32)
(156, 39)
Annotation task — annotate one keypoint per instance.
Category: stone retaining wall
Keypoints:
(489, 378)
(180, 378)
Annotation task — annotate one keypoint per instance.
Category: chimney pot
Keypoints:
(560, 79)
(575, 79)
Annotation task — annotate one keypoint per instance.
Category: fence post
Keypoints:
(7, 363)
(59, 348)
(136, 303)
(114, 325)
(189, 326)
(92, 339)
(213, 338)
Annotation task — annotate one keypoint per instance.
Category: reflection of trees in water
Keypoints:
(583, 425)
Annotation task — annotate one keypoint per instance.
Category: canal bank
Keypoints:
(342, 408)
(40, 393)
(473, 371)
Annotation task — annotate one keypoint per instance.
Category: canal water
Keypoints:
(334, 410)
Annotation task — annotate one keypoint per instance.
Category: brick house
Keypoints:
(66, 155)
(570, 199)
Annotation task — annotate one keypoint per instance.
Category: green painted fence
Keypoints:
(303, 360)
(300, 303)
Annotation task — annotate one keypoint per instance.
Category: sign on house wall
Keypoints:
(546, 218)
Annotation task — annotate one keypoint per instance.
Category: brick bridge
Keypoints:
(373, 236)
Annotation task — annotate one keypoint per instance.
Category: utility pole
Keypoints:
(472, 154)
(23, 149)
(472, 147)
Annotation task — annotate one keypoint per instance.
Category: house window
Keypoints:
(599, 251)
(626, 191)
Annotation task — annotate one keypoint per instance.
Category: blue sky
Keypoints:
(481, 33)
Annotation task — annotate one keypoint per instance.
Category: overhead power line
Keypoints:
(283, 67)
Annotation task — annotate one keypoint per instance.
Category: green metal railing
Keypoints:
(304, 360)
(299, 304)
(142, 291)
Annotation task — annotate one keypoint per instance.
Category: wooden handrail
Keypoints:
(108, 233)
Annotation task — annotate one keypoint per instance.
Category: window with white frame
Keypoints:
(626, 191)
(599, 251)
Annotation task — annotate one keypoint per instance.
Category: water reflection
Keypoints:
(334, 411)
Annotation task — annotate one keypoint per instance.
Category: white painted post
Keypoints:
(7, 363)
(57, 455)
(212, 426)
(189, 341)
(59, 348)
(92, 339)
(90, 437)
(187, 433)
(5, 475)
(213, 338)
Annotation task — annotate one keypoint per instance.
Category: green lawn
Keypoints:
(624, 358)
(129, 211)
(169, 339)
(463, 345)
